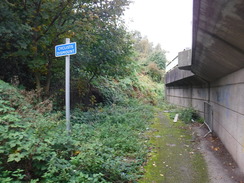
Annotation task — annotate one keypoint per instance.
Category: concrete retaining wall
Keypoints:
(188, 96)
(226, 96)
(180, 96)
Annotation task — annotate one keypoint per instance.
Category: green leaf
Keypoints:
(15, 157)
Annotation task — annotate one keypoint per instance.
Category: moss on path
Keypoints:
(173, 158)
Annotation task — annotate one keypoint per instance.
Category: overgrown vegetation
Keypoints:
(187, 115)
(106, 143)
(116, 78)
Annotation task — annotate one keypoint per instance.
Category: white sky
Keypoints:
(167, 22)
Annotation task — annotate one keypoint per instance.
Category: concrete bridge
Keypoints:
(210, 77)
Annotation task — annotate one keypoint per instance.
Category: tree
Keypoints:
(31, 29)
(158, 56)
(142, 46)
(147, 53)
(14, 35)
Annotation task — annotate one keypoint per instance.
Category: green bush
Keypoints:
(187, 115)
(106, 144)
(154, 72)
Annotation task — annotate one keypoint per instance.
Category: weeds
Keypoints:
(187, 115)
(106, 144)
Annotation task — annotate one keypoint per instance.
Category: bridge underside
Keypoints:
(213, 71)
(218, 38)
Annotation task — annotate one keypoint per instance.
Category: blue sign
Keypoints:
(65, 49)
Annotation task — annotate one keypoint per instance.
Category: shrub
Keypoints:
(154, 72)
(106, 144)
(187, 115)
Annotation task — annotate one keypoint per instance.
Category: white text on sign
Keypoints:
(65, 49)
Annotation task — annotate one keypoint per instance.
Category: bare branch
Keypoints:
(53, 21)
(10, 4)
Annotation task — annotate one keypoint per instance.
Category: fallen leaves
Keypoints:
(215, 148)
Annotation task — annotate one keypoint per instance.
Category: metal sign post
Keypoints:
(66, 50)
(67, 89)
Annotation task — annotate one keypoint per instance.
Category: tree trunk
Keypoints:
(48, 83)
(49, 76)
(38, 81)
